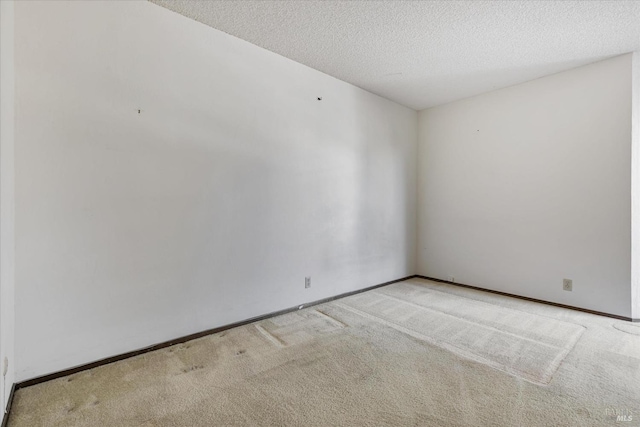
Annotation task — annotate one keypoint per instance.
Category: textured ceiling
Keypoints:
(425, 53)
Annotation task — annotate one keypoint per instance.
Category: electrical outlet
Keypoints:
(307, 282)
(567, 284)
(452, 279)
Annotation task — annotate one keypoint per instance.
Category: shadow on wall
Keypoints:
(193, 186)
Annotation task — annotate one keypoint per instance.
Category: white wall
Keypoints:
(635, 188)
(208, 207)
(524, 186)
(7, 198)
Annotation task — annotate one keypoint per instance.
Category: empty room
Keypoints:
(319, 213)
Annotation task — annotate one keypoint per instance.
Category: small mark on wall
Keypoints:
(319, 98)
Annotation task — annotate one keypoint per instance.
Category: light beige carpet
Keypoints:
(523, 344)
(415, 353)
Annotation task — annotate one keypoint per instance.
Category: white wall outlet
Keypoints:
(307, 282)
(451, 279)
(567, 284)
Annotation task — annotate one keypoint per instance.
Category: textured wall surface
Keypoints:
(522, 187)
(426, 53)
(207, 207)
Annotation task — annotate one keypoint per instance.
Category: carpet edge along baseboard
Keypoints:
(555, 304)
(180, 340)
(183, 339)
